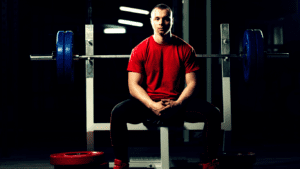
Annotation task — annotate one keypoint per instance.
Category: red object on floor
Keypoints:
(120, 165)
(214, 164)
(77, 158)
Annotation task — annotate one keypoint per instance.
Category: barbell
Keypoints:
(253, 55)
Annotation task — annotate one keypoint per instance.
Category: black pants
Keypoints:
(133, 111)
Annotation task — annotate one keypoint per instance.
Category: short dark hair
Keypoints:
(162, 6)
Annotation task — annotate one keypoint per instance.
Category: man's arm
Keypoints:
(135, 89)
(191, 88)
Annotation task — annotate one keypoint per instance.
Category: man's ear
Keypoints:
(151, 21)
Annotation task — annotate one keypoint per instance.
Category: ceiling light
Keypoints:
(114, 31)
(132, 23)
(134, 10)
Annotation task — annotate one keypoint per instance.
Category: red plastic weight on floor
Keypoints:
(77, 158)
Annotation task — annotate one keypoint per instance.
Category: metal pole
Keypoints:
(89, 12)
(208, 51)
(77, 57)
(226, 92)
(185, 21)
(164, 147)
(89, 44)
(186, 29)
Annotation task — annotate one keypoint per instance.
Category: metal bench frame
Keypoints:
(164, 162)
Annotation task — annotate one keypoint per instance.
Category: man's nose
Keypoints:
(160, 22)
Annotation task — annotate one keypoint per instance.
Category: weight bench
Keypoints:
(164, 162)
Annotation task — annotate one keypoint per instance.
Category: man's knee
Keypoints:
(118, 109)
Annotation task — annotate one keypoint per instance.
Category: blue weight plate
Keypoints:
(249, 57)
(68, 57)
(60, 38)
(260, 53)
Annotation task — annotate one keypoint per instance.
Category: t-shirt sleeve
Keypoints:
(135, 63)
(190, 63)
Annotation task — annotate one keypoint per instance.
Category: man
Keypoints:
(157, 71)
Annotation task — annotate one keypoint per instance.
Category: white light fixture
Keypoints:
(134, 10)
(114, 31)
(132, 23)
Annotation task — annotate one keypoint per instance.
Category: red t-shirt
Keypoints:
(163, 65)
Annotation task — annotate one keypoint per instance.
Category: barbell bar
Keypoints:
(77, 57)
(253, 55)
(41, 57)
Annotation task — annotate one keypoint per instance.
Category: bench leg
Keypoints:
(90, 141)
(227, 141)
(186, 136)
(164, 148)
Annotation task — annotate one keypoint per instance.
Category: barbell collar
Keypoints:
(41, 57)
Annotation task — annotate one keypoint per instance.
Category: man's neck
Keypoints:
(162, 39)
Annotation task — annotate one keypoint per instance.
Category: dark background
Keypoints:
(37, 112)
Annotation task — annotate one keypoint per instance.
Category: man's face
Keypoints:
(161, 21)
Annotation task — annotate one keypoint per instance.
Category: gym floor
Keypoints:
(277, 156)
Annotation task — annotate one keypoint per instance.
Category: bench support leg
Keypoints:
(226, 141)
(164, 148)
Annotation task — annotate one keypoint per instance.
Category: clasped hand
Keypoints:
(166, 107)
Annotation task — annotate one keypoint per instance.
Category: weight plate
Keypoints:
(249, 57)
(60, 38)
(259, 53)
(77, 158)
(68, 57)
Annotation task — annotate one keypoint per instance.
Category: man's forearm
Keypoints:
(139, 93)
(189, 91)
